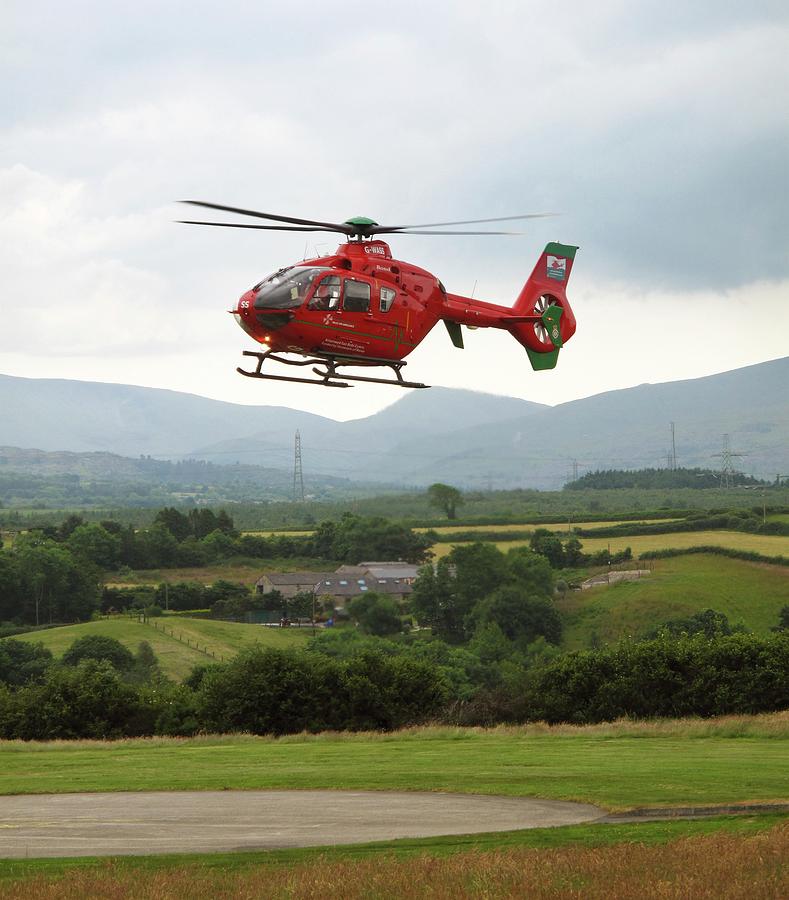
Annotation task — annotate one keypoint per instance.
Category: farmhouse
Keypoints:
(290, 583)
(394, 579)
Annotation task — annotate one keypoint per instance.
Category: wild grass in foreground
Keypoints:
(617, 766)
(721, 865)
(588, 835)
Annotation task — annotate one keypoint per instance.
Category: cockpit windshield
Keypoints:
(287, 288)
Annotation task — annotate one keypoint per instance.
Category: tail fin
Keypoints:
(544, 295)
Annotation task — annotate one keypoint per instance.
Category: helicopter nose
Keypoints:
(243, 312)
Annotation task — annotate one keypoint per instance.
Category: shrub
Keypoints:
(692, 676)
(85, 701)
(271, 691)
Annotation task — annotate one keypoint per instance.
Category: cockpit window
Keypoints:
(287, 288)
(327, 293)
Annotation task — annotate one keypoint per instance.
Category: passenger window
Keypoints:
(327, 293)
(387, 298)
(357, 296)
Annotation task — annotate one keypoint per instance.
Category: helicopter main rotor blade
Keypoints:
(454, 232)
(326, 226)
(244, 225)
(380, 228)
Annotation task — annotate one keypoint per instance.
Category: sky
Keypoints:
(659, 131)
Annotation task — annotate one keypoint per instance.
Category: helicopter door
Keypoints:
(357, 296)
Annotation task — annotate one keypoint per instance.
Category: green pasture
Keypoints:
(621, 766)
(766, 544)
(750, 593)
(176, 657)
(243, 570)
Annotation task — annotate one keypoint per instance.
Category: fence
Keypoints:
(164, 629)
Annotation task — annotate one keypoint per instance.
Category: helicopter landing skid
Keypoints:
(330, 362)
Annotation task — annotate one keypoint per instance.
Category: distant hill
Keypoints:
(629, 429)
(65, 478)
(462, 437)
(55, 414)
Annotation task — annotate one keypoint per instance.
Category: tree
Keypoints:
(300, 605)
(53, 586)
(174, 521)
(154, 548)
(375, 614)
(21, 662)
(446, 497)
(549, 545)
(94, 544)
(531, 571)
(10, 591)
(355, 538)
(479, 569)
(435, 602)
(521, 617)
(445, 597)
(219, 545)
(573, 553)
(99, 647)
(145, 667)
(68, 526)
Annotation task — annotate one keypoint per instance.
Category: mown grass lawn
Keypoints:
(615, 767)
(750, 593)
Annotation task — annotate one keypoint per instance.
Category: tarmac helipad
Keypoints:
(132, 824)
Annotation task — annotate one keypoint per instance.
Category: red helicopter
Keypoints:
(359, 307)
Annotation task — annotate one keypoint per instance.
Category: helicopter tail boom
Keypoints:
(541, 319)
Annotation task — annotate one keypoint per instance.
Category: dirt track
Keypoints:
(206, 821)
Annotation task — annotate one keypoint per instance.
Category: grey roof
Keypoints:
(352, 571)
(382, 570)
(340, 586)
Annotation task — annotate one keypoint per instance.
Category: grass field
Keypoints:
(766, 544)
(482, 529)
(176, 658)
(617, 766)
(743, 858)
(554, 526)
(745, 592)
(246, 571)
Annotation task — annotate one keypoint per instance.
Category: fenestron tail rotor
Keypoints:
(357, 228)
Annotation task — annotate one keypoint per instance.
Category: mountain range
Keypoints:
(463, 437)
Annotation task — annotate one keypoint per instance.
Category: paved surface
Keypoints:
(133, 824)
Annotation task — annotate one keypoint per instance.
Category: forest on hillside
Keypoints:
(651, 479)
